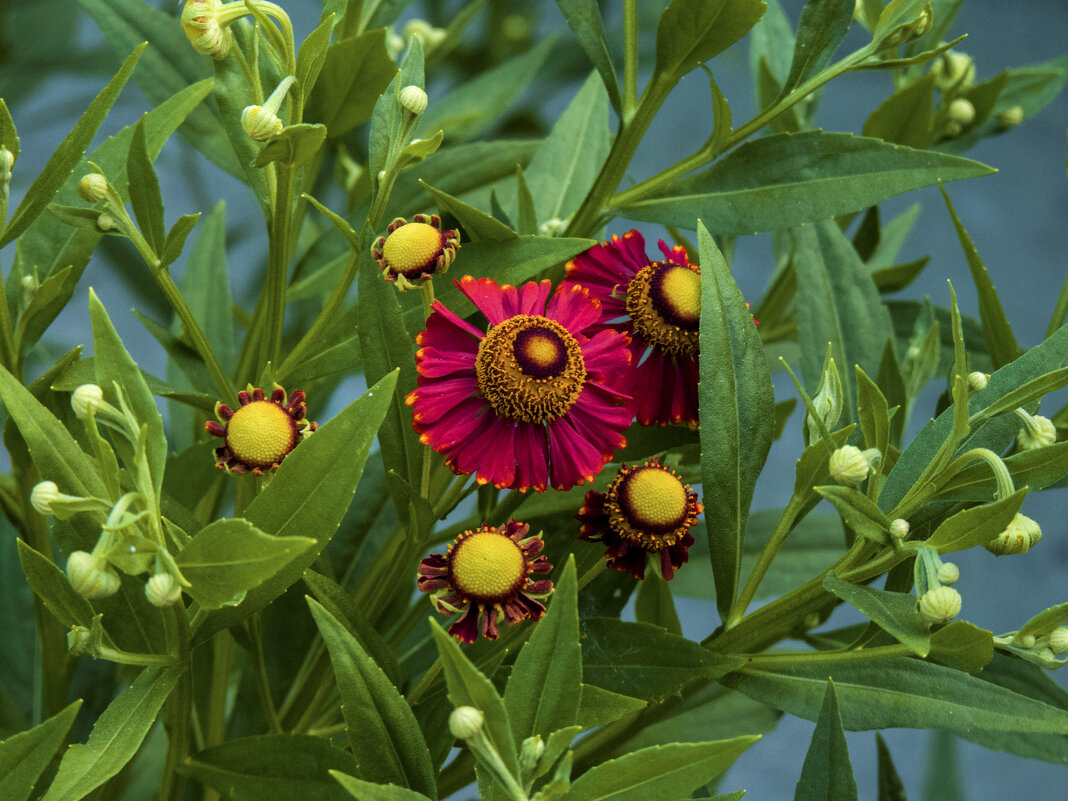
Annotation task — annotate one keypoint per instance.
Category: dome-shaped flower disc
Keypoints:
(528, 402)
(261, 431)
(645, 515)
(485, 577)
(658, 303)
(412, 252)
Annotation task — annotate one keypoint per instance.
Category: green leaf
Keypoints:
(655, 605)
(545, 686)
(116, 737)
(1036, 469)
(644, 661)
(827, 772)
(24, 756)
(898, 692)
(307, 501)
(469, 687)
(600, 706)
(1045, 622)
(472, 107)
(890, 786)
(50, 584)
(859, 512)
(9, 138)
(1000, 342)
(387, 117)
(771, 41)
(894, 612)
(145, 198)
(68, 154)
(905, 117)
(476, 224)
(873, 411)
(584, 19)
(1023, 395)
(962, 646)
(783, 180)
(206, 286)
(312, 54)
(694, 31)
(113, 366)
(566, 164)
(737, 408)
(293, 145)
(837, 303)
(275, 766)
(368, 791)
(175, 241)
(354, 73)
(527, 217)
(660, 771)
(227, 558)
(382, 731)
(943, 780)
(977, 525)
(822, 27)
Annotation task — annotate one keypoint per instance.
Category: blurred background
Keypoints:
(53, 61)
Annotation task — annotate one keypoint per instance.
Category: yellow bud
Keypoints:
(93, 187)
(413, 99)
(1019, 537)
(260, 123)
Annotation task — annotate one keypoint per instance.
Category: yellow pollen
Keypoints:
(541, 351)
(260, 433)
(487, 565)
(654, 497)
(412, 247)
(682, 291)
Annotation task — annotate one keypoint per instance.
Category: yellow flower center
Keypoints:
(412, 249)
(487, 566)
(261, 433)
(650, 506)
(530, 369)
(664, 301)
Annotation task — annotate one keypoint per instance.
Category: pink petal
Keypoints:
(486, 296)
(572, 308)
(433, 362)
(435, 399)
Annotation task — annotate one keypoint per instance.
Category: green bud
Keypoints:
(1019, 537)
(465, 722)
(940, 604)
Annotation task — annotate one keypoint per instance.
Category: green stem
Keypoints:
(177, 712)
(278, 235)
(779, 661)
(630, 56)
(252, 628)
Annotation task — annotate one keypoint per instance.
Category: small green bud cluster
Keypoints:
(938, 602)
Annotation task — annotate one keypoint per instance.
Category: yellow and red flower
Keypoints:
(412, 252)
(261, 431)
(485, 576)
(645, 516)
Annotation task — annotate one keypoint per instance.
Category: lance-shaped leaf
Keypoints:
(822, 27)
(963, 646)
(69, 152)
(293, 145)
(977, 525)
(691, 32)
(382, 731)
(787, 179)
(890, 786)
(859, 512)
(145, 197)
(354, 73)
(584, 19)
(905, 117)
(116, 736)
(476, 224)
(894, 612)
(369, 791)
(827, 772)
(272, 766)
(51, 586)
(737, 409)
(24, 756)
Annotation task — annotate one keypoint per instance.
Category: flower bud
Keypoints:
(961, 111)
(93, 187)
(206, 33)
(28, 287)
(1037, 432)
(7, 161)
(105, 222)
(426, 33)
(1019, 537)
(948, 573)
(1009, 118)
(899, 528)
(910, 31)
(1058, 640)
(86, 399)
(465, 722)
(260, 123)
(954, 70)
(849, 466)
(1028, 641)
(79, 640)
(552, 227)
(163, 589)
(42, 496)
(413, 99)
(978, 381)
(90, 575)
(940, 604)
(529, 754)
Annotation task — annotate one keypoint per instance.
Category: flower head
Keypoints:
(485, 576)
(658, 303)
(261, 431)
(412, 252)
(526, 403)
(645, 516)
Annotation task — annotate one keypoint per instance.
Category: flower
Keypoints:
(659, 305)
(1037, 431)
(261, 431)
(486, 576)
(526, 403)
(645, 515)
(415, 251)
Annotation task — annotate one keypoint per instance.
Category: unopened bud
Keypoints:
(552, 227)
(7, 161)
(948, 573)
(1028, 641)
(426, 33)
(529, 754)
(91, 576)
(105, 222)
(1009, 118)
(260, 123)
(954, 70)
(28, 287)
(1019, 537)
(899, 528)
(202, 26)
(912, 30)
(961, 111)
(162, 589)
(43, 495)
(1037, 431)
(849, 466)
(940, 604)
(465, 722)
(86, 399)
(978, 381)
(413, 99)
(1058, 640)
(93, 187)
(79, 640)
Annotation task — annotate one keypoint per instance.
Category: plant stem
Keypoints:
(785, 660)
(274, 309)
(252, 628)
(630, 56)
